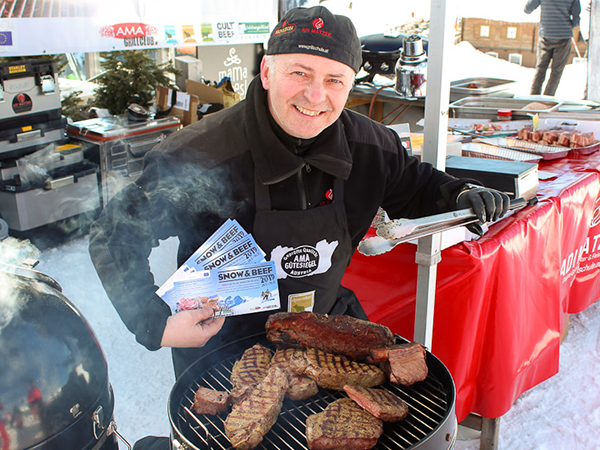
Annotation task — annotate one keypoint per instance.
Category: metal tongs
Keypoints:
(399, 231)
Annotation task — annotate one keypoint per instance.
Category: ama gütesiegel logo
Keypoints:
(133, 34)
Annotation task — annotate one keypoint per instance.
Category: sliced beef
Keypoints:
(294, 362)
(403, 363)
(343, 425)
(254, 416)
(382, 404)
(335, 371)
(209, 401)
(249, 371)
(342, 335)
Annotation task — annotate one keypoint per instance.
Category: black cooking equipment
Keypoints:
(380, 52)
(431, 423)
(54, 387)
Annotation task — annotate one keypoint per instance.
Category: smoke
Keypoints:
(16, 251)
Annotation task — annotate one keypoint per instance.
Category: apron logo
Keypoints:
(304, 260)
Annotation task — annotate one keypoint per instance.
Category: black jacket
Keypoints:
(205, 173)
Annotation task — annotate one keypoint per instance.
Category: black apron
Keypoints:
(311, 249)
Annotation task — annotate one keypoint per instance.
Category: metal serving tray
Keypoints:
(475, 150)
(478, 86)
(487, 107)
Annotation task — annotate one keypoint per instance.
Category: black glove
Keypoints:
(488, 204)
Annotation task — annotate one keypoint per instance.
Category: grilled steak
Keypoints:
(301, 387)
(342, 335)
(254, 416)
(405, 363)
(343, 424)
(335, 371)
(249, 371)
(209, 401)
(382, 404)
(294, 362)
(292, 359)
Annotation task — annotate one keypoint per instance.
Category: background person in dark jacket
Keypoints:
(294, 167)
(557, 20)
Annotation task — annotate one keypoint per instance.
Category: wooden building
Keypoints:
(512, 41)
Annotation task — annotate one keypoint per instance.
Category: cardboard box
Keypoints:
(204, 92)
(187, 114)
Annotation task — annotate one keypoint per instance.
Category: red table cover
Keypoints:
(501, 301)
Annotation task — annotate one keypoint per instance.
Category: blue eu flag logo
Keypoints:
(6, 38)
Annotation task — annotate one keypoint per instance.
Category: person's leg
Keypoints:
(560, 58)
(543, 57)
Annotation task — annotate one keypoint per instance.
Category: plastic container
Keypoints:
(504, 114)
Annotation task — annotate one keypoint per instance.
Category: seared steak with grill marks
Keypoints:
(249, 371)
(292, 359)
(294, 362)
(382, 404)
(334, 371)
(405, 363)
(209, 401)
(254, 416)
(343, 424)
(342, 335)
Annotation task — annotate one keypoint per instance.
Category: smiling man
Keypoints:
(299, 172)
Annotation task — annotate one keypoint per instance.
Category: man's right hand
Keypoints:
(192, 328)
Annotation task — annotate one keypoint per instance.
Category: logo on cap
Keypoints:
(318, 23)
(286, 27)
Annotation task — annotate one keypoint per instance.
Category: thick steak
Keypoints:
(405, 363)
(343, 425)
(249, 371)
(335, 371)
(209, 401)
(294, 362)
(382, 404)
(254, 416)
(342, 335)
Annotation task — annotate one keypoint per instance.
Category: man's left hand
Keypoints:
(487, 204)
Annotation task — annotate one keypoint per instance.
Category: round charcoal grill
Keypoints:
(430, 424)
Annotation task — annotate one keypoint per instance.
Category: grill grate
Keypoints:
(428, 404)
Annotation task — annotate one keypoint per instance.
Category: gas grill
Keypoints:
(430, 424)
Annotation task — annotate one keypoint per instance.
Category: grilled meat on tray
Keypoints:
(342, 335)
(335, 371)
(382, 404)
(254, 416)
(209, 401)
(343, 425)
(249, 371)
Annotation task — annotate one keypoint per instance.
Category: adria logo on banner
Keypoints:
(133, 34)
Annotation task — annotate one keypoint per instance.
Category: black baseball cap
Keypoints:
(317, 31)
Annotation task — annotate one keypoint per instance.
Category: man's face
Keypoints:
(306, 93)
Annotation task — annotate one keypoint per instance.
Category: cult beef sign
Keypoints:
(134, 34)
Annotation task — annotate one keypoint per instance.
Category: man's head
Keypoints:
(309, 69)
(316, 31)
